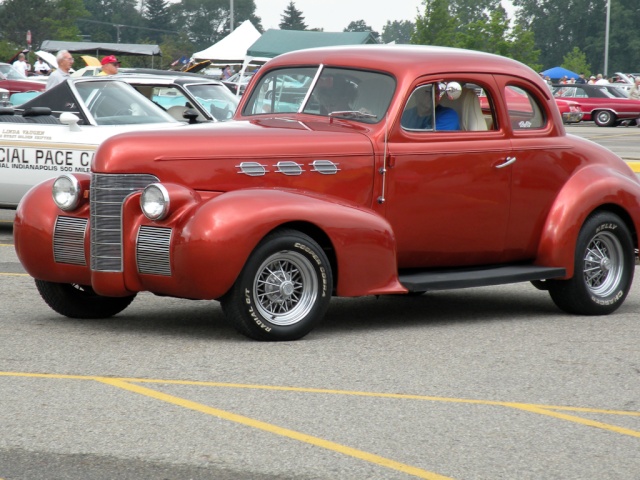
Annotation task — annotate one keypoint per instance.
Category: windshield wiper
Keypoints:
(352, 114)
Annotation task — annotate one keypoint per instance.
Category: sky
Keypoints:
(335, 15)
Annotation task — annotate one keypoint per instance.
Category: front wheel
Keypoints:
(604, 118)
(604, 267)
(80, 301)
(283, 290)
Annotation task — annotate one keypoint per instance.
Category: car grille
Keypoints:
(107, 195)
(153, 250)
(68, 240)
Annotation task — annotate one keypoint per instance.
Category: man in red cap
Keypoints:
(110, 65)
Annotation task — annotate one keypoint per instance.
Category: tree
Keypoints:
(46, 19)
(112, 21)
(397, 32)
(361, 26)
(158, 17)
(576, 61)
(206, 22)
(561, 25)
(489, 32)
(436, 26)
(292, 18)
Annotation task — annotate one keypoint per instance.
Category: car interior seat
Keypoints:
(177, 112)
(469, 111)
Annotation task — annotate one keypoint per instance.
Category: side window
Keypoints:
(524, 111)
(454, 105)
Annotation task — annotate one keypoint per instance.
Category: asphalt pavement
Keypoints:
(486, 383)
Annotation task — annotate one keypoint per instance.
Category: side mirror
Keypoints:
(452, 90)
(71, 119)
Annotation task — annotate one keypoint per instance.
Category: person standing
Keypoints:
(227, 73)
(110, 65)
(634, 94)
(21, 65)
(581, 80)
(41, 67)
(600, 80)
(65, 60)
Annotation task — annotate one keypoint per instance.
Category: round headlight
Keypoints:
(155, 202)
(66, 192)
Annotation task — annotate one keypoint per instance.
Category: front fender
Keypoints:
(588, 190)
(211, 247)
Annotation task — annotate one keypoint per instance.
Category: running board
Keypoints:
(424, 280)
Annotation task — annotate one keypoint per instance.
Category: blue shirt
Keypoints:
(446, 119)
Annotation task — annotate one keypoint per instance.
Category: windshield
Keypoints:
(336, 92)
(217, 99)
(116, 103)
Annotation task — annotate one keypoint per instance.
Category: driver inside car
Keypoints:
(419, 117)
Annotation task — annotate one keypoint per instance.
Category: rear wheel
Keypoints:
(80, 301)
(283, 290)
(604, 267)
(604, 118)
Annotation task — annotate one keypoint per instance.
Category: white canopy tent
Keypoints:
(232, 49)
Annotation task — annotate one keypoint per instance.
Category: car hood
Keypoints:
(211, 156)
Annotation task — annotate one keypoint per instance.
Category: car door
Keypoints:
(542, 162)
(447, 193)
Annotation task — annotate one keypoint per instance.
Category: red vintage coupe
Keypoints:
(374, 172)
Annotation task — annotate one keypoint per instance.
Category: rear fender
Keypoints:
(216, 240)
(590, 189)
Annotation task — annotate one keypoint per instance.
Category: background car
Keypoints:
(14, 81)
(59, 130)
(177, 94)
(236, 81)
(571, 111)
(606, 105)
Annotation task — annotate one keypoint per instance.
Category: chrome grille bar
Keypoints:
(107, 195)
(153, 250)
(68, 240)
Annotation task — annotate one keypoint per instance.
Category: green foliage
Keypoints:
(398, 32)
(292, 18)
(561, 25)
(46, 19)
(437, 26)
(455, 23)
(361, 26)
(576, 61)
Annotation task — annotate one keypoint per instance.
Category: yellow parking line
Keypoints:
(267, 427)
(635, 166)
(550, 410)
(6, 245)
(7, 274)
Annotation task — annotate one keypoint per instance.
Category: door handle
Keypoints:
(508, 161)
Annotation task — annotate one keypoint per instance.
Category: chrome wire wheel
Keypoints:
(603, 264)
(285, 288)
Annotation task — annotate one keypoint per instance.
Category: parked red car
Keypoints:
(374, 172)
(15, 82)
(606, 105)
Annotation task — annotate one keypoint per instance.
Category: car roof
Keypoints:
(406, 60)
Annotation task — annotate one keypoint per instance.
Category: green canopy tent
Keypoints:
(275, 42)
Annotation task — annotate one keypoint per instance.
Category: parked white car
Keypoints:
(59, 130)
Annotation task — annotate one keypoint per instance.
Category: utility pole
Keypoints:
(606, 41)
(230, 15)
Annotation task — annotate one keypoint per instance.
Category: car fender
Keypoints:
(589, 189)
(216, 239)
